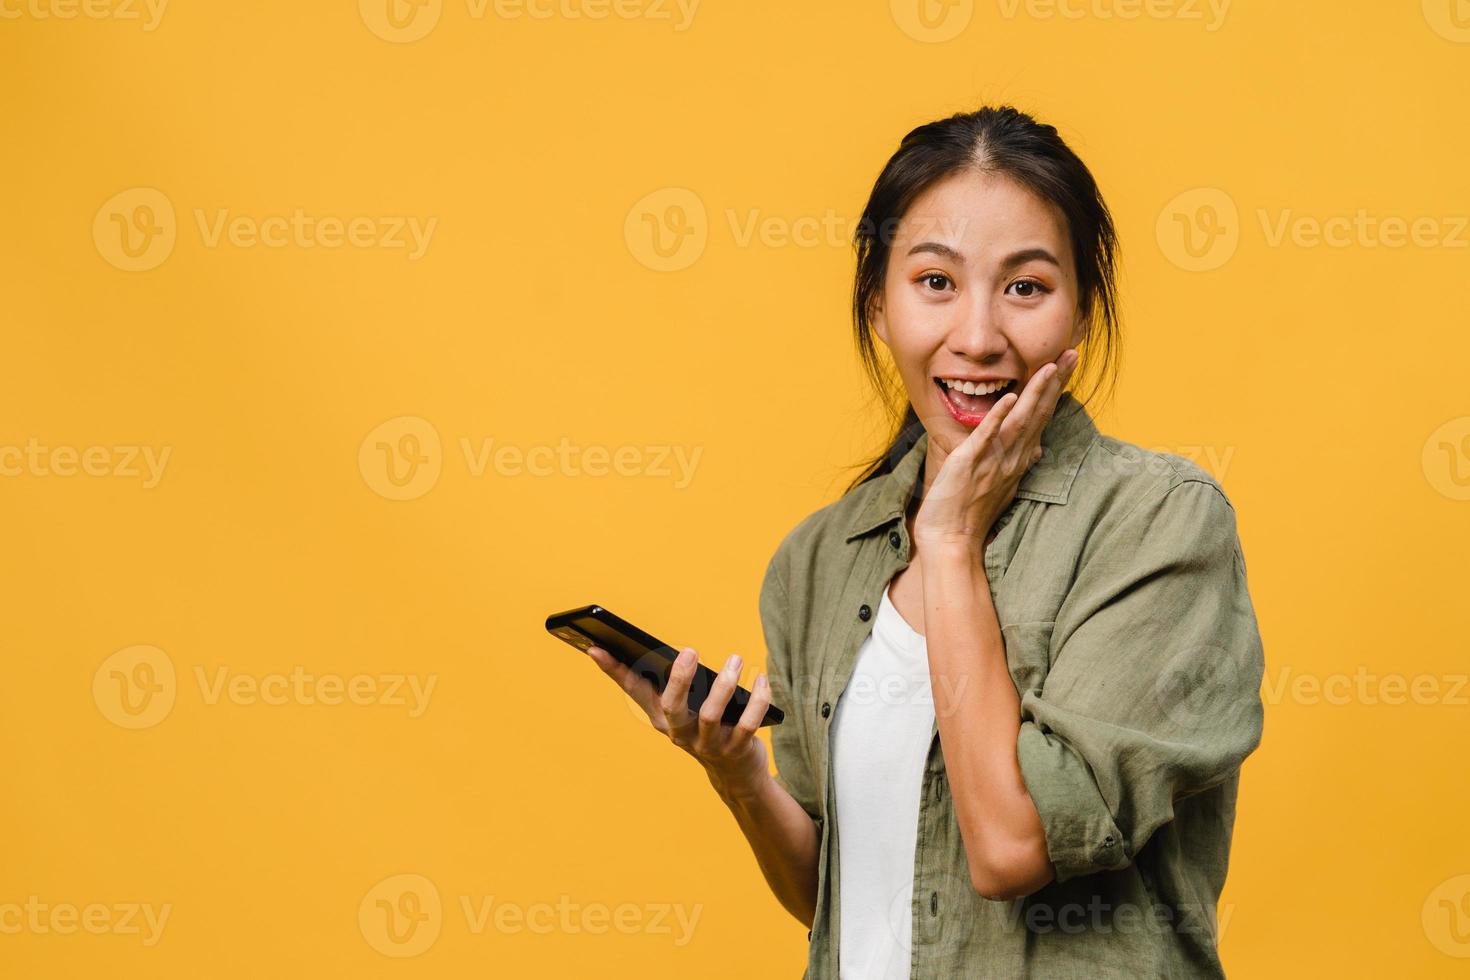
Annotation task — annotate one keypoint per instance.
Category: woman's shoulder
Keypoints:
(1127, 498)
(1124, 471)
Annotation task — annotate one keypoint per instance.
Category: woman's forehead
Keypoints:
(975, 213)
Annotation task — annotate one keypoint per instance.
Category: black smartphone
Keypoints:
(594, 626)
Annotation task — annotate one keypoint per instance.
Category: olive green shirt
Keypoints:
(1120, 588)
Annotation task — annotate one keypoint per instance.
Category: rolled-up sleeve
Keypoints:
(1153, 690)
(793, 763)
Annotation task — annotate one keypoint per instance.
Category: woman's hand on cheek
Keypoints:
(978, 480)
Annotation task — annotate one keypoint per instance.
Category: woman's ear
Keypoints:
(1079, 329)
(878, 319)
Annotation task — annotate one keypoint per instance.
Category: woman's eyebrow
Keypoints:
(1029, 255)
(1009, 262)
(940, 249)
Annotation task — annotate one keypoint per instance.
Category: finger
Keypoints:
(713, 708)
(1047, 402)
(675, 699)
(635, 686)
(1026, 404)
(974, 445)
(1027, 413)
(1068, 361)
(1028, 436)
(754, 713)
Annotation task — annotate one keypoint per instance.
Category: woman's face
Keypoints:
(981, 287)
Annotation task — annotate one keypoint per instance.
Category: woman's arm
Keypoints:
(1005, 839)
(784, 838)
(978, 725)
(782, 834)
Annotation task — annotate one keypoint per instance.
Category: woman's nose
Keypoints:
(977, 334)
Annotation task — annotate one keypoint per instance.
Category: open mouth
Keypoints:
(968, 402)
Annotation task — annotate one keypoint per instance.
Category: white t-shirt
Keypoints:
(880, 741)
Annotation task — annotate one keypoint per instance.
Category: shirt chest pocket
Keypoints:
(1028, 653)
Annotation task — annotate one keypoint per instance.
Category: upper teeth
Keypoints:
(971, 388)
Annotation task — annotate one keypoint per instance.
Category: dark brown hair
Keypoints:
(996, 140)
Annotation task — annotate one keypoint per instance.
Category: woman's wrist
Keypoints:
(948, 555)
(738, 788)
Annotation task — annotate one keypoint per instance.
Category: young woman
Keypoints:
(1018, 659)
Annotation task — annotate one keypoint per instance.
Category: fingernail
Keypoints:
(734, 664)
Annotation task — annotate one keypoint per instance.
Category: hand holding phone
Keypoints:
(706, 714)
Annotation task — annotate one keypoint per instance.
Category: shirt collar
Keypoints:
(1064, 441)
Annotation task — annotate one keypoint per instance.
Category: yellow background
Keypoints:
(1324, 384)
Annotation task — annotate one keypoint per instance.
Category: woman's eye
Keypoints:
(1028, 288)
(936, 280)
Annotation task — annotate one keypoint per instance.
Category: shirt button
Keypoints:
(1108, 841)
(894, 539)
(933, 903)
(826, 708)
(864, 612)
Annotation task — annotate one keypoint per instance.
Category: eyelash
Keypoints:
(1028, 282)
